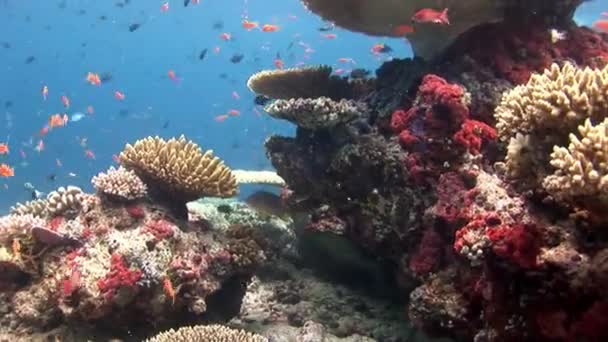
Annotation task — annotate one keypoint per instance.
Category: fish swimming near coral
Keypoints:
(267, 203)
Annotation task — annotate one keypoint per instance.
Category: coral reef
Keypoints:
(206, 333)
(479, 253)
(120, 183)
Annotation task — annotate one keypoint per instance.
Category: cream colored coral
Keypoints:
(121, 183)
(310, 82)
(559, 99)
(179, 168)
(207, 333)
(11, 225)
(258, 177)
(582, 168)
(36, 207)
(63, 199)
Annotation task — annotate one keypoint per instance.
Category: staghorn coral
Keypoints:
(15, 224)
(308, 82)
(258, 177)
(582, 168)
(316, 113)
(206, 333)
(178, 169)
(120, 183)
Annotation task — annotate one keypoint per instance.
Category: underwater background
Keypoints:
(56, 43)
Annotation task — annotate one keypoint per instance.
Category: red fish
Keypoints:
(171, 74)
(429, 15)
(119, 96)
(329, 36)
(249, 25)
(601, 25)
(44, 131)
(115, 158)
(346, 60)
(89, 154)
(66, 101)
(234, 112)
(402, 30)
(90, 109)
(225, 36)
(278, 63)
(270, 28)
(221, 118)
(4, 148)
(6, 171)
(164, 7)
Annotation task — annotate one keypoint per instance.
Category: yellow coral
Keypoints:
(179, 168)
(207, 333)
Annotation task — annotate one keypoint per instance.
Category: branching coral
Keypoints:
(315, 113)
(207, 333)
(120, 183)
(582, 168)
(56, 203)
(542, 116)
(177, 168)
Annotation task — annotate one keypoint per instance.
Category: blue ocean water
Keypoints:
(56, 43)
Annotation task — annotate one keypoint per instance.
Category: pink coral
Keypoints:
(119, 276)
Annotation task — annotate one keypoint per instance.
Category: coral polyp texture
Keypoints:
(179, 169)
(120, 183)
(315, 113)
(118, 263)
(207, 333)
(555, 126)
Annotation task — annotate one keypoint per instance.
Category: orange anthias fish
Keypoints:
(278, 63)
(90, 110)
(402, 30)
(6, 171)
(93, 79)
(249, 25)
(270, 28)
(172, 76)
(4, 148)
(221, 118)
(234, 112)
(429, 15)
(225, 36)
(119, 95)
(346, 60)
(89, 154)
(57, 120)
(45, 92)
(601, 25)
(66, 101)
(329, 36)
(164, 7)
